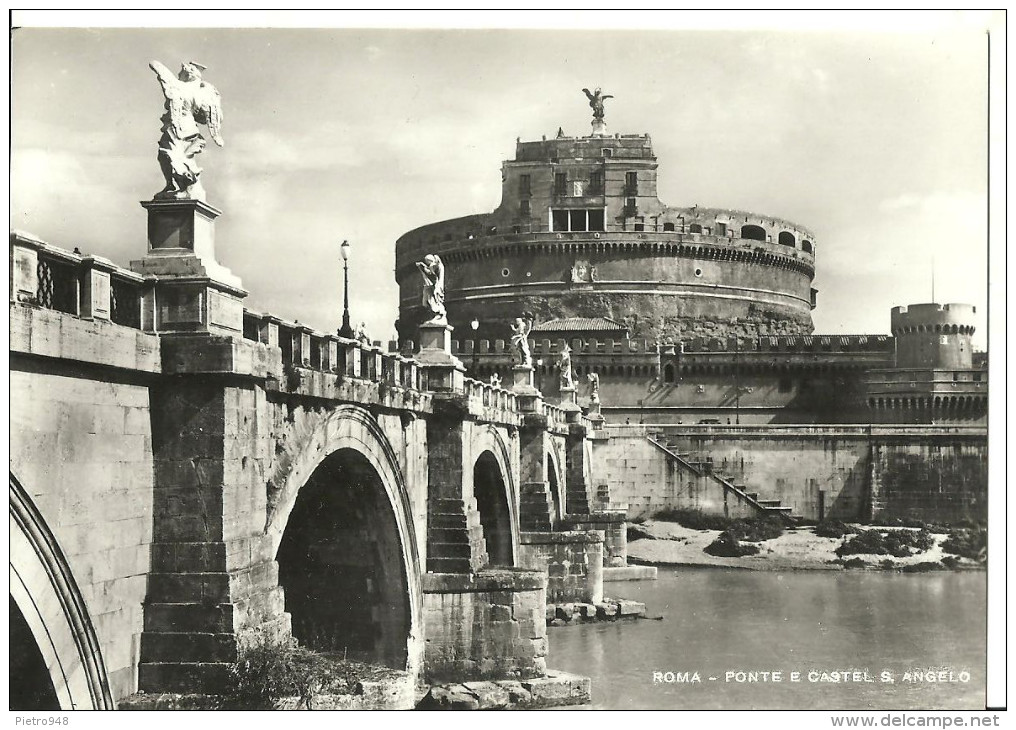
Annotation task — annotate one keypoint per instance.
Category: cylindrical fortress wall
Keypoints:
(933, 335)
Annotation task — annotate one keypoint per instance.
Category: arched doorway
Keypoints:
(342, 564)
(495, 516)
(31, 686)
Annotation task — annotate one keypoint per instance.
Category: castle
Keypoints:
(685, 314)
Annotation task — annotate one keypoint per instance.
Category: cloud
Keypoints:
(939, 203)
(266, 150)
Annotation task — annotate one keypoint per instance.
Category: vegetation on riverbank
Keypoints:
(769, 543)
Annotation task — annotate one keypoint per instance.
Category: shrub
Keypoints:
(854, 563)
(898, 543)
(968, 543)
(884, 521)
(638, 532)
(833, 528)
(923, 567)
(950, 561)
(268, 670)
(693, 519)
(728, 546)
(758, 529)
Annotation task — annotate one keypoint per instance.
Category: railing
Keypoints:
(89, 287)
(307, 348)
(491, 396)
(556, 415)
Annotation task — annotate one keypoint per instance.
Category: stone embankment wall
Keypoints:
(933, 473)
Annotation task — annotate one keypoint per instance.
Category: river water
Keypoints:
(718, 621)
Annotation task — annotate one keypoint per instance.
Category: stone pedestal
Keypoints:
(594, 415)
(599, 128)
(569, 404)
(193, 291)
(526, 394)
(442, 371)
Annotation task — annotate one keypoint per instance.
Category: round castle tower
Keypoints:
(933, 335)
(580, 232)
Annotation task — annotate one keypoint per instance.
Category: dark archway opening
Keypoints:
(341, 565)
(31, 686)
(492, 503)
(554, 487)
(754, 233)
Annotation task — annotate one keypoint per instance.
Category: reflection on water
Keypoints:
(717, 621)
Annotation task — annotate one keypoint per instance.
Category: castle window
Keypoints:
(694, 228)
(631, 183)
(753, 233)
(787, 238)
(721, 229)
(578, 188)
(640, 223)
(524, 185)
(630, 206)
(560, 183)
(559, 220)
(668, 373)
(595, 182)
(668, 227)
(578, 220)
(607, 152)
(524, 208)
(806, 246)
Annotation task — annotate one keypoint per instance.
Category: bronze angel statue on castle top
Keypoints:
(190, 101)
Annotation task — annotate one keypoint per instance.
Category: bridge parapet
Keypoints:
(89, 287)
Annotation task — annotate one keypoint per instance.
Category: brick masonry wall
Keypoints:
(82, 448)
(935, 482)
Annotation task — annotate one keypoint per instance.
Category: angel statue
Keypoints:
(564, 365)
(189, 102)
(495, 380)
(596, 100)
(521, 328)
(432, 271)
(594, 387)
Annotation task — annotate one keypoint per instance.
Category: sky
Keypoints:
(874, 140)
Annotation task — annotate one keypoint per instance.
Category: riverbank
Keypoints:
(668, 543)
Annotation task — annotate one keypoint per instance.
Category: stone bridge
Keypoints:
(188, 477)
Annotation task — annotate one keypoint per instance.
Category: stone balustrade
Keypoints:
(89, 287)
(490, 396)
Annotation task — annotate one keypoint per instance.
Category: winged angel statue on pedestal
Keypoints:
(189, 101)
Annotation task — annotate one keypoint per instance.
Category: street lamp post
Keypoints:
(475, 325)
(346, 330)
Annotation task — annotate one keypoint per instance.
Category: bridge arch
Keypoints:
(496, 496)
(45, 602)
(343, 519)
